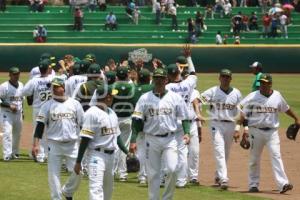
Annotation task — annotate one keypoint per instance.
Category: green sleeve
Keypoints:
(83, 145)
(136, 127)
(121, 145)
(39, 130)
(186, 125)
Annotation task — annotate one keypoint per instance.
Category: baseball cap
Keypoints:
(104, 89)
(94, 69)
(122, 71)
(84, 65)
(159, 72)
(172, 69)
(76, 67)
(265, 78)
(44, 64)
(48, 56)
(91, 57)
(110, 76)
(14, 70)
(144, 73)
(58, 82)
(182, 61)
(256, 64)
(225, 72)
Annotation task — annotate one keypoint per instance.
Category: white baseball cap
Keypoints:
(256, 64)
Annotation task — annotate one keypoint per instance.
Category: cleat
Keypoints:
(286, 188)
(194, 182)
(253, 190)
(224, 186)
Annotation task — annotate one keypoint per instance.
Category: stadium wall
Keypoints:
(208, 58)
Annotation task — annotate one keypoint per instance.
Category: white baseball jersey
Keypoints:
(72, 82)
(12, 95)
(62, 119)
(35, 72)
(222, 106)
(262, 111)
(40, 89)
(160, 115)
(195, 95)
(102, 127)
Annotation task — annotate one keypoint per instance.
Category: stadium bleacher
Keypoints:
(17, 24)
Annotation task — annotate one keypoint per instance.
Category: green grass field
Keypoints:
(26, 180)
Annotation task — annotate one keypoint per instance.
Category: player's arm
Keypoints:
(136, 127)
(199, 119)
(82, 148)
(188, 54)
(121, 145)
(38, 135)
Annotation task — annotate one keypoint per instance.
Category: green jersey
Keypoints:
(122, 101)
(256, 82)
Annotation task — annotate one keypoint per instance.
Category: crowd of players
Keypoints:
(91, 118)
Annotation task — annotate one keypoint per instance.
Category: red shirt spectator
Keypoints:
(266, 20)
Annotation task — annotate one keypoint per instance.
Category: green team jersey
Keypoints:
(256, 82)
(140, 89)
(86, 92)
(122, 102)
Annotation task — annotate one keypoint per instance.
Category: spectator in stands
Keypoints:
(219, 7)
(36, 5)
(253, 26)
(266, 21)
(2, 5)
(237, 40)
(157, 12)
(78, 19)
(264, 5)
(274, 25)
(111, 22)
(245, 23)
(296, 4)
(72, 4)
(40, 34)
(243, 3)
(199, 23)
(236, 23)
(163, 5)
(136, 15)
(173, 14)
(191, 31)
(209, 11)
(102, 5)
(130, 8)
(92, 5)
(227, 8)
(283, 25)
(219, 39)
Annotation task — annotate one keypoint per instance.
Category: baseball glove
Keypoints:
(245, 144)
(133, 164)
(292, 131)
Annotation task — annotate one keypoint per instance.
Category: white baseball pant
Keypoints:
(258, 139)
(141, 154)
(12, 127)
(182, 159)
(222, 137)
(193, 152)
(58, 151)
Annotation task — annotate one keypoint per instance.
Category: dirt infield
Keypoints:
(238, 166)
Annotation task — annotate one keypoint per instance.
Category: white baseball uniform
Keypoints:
(61, 119)
(184, 89)
(263, 121)
(193, 146)
(11, 122)
(103, 129)
(223, 110)
(35, 72)
(160, 117)
(72, 82)
(40, 88)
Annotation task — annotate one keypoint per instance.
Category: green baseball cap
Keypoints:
(122, 71)
(182, 61)
(14, 70)
(225, 72)
(159, 72)
(110, 76)
(84, 65)
(265, 78)
(144, 73)
(76, 67)
(91, 57)
(104, 89)
(44, 64)
(94, 69)
(58, 82)
(172, 69)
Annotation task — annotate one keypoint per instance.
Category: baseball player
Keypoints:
(184, 88)
(78, 77)
(11, 114)
(223, 101)
(156, 114)
(123, 108)
(256, 68)
(100, 133)
(61, 116)
(261, 108)
(142, 87)
(39, 89)
(35, 72)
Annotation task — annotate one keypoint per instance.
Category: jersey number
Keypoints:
(45, 95)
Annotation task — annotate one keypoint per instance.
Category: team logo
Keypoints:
(139, 54)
